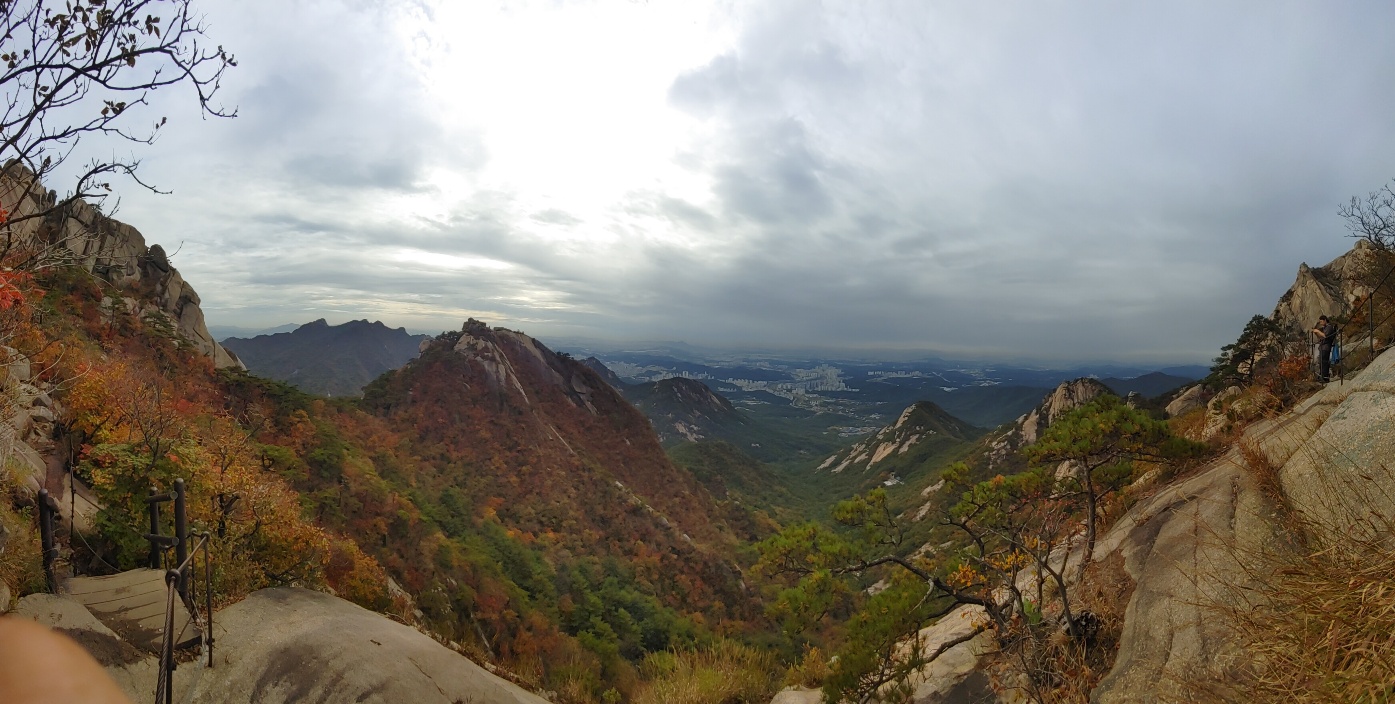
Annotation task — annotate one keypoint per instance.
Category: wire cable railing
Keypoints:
(203, 619)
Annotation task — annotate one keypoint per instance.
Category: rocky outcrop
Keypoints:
(1067, 397)
(28, 415)
(1189, 400)
(80, 234)
(919, 423)
(1326, 290)
(1190, 547)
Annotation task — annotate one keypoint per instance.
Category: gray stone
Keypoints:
(60, 612)
(798, 695)
(1341, 476)
(294, 645)
(113, 251)
(1326, 290)
(135, 672)
(1186, 402)
(17, 366)
(1191, 546)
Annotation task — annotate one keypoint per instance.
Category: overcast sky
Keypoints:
(1049, 180)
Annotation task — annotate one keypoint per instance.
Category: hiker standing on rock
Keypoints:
(1327, 336)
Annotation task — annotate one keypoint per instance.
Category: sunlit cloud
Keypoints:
(1025, 179)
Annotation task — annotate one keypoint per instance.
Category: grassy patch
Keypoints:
(726, 672)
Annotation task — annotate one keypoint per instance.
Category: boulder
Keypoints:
(17, 368)
(60, 612)
(294, 645)
(1186, 402)
(798, 695)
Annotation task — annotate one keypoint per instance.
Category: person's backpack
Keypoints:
(1336, 352)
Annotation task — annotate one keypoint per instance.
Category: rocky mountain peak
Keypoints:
(113, 251)
(1329, 290)
(1064, 398)
(684, 409)
(504, 355)
(605, 373)
(919, 425)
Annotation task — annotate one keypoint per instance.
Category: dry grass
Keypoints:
(810, 671)
(1266, 475)
(1324, 630)
(725, 673)
(1190, 425)
(1318, 622)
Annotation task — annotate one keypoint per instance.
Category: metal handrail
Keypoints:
(176, 580)
(1370, 302)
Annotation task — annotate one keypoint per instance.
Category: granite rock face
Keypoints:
(1190, 547)
(1187, 401)
(79, 233)
(295, 645)
(1329, 290)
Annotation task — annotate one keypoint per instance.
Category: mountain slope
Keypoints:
(500, 415)
(685, 409)
(331, 360)
(922, 440)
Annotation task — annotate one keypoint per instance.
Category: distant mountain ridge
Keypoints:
(332, 360)
(1149, 385)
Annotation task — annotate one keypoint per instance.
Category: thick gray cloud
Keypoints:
(1031, 180)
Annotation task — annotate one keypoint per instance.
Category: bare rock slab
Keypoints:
(295, 645)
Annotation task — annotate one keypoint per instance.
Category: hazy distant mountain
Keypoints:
(221, 332)
(334, 360)
(605, 373)
(1148, 385)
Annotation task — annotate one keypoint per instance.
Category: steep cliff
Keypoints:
(1329, 290)
(43, 231)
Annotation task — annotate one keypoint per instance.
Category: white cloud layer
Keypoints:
(1027, 179)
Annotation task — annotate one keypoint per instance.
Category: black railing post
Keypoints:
(154, 528)
(50, 547)
(181, 537)
(208, 597)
